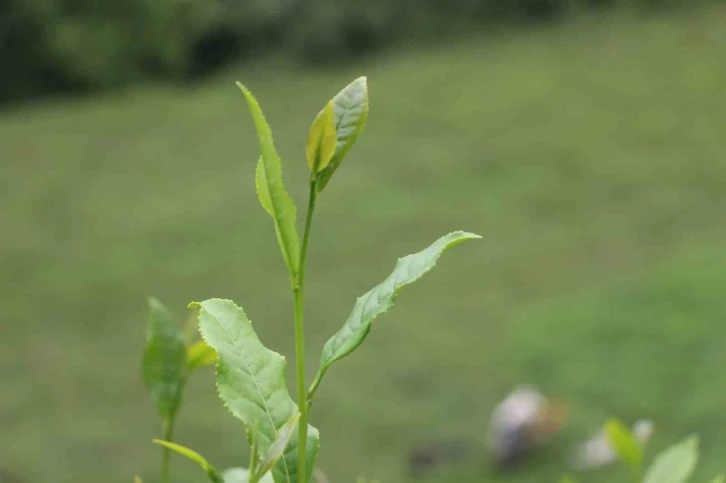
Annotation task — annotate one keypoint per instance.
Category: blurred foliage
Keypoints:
(59, 45)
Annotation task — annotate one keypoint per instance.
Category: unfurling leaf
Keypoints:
(211, 472)
(322, 139)
(200, 355)
(675, 464)
(271, 190)
(242, 475)
(251, 383)
(624, 443)
(163, 361)
(351, 114)
(381, 298)
(277, 448)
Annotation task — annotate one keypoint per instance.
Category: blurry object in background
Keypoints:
(427, 457)
(598, 451)
(320, 477)
(524, 421)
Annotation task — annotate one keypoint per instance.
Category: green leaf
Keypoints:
(351, 114)
(624, 443)
(379, 299)
(567, 479)
(675, 464)
(163, 362)
(271, 190)
(322, 140)
(211, 472)
(200, 355)
(718, 479)
(277, 448)
(242, 475)
(137, 479)
(251, 383)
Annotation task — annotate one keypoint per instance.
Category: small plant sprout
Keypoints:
(251, 377)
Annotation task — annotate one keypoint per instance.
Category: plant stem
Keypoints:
(168, 429)
(298, 288)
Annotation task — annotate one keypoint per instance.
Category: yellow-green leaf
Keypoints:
(277, 448)
(675, 464)
(351, 114)
(200, 355)
(137, 479)
(164, 358)
(624, 443)
(322, 139)
(271, 189)
(211, 472)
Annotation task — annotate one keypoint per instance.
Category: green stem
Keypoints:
(298, 288)
(168, 429)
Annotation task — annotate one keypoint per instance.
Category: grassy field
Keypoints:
(590, 156)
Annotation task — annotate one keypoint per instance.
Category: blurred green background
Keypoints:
(584, 142)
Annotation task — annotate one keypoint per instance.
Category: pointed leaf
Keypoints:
(211, 472)
(380, 299)
(277, 448)
(271, 190)
(242, 475)
(322, 139)
(624, 443)
(200, 355)
(163, 361)
(251, 382)
(675, 464)
(351, 114)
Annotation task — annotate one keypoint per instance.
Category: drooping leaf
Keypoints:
(251, 383)
(675, 464)
(351, 114)
(271, 190)
(380, 299)
(211, 472)
(277, 448)
(322, 140)
(200, 355)
(624, 443)
(242, 475)
(163, 361)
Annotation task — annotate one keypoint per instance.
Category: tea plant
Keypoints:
(251, 377)
(675, 464)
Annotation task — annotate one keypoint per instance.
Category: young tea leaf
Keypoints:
(211, 472)
(322, 139)
(137, 479)
(675, 464)
(242, 475)
(200, 355)
(624, 443)
(718, 479)
(381, 298)
(271, 190)
(351, 114)
(277, 448)
(251, 383)
(163, 362)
